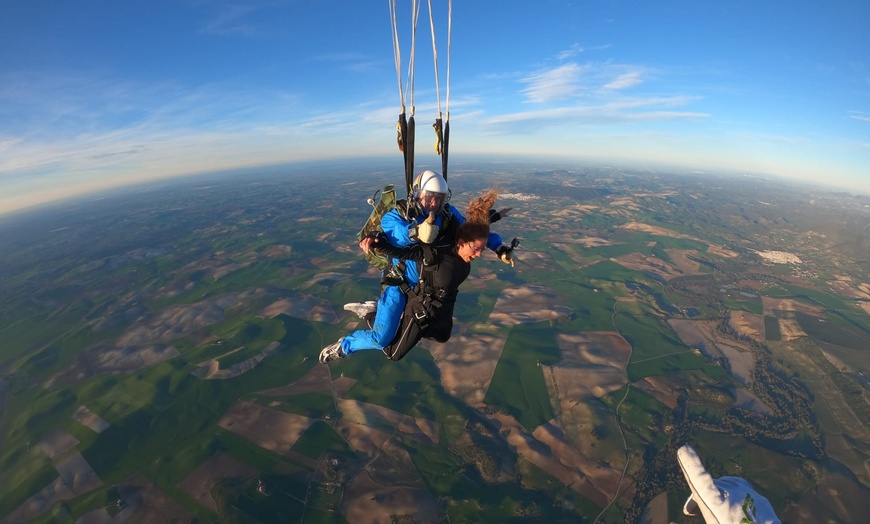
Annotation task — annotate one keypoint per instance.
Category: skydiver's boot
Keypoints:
(332, 352)
(362, 309)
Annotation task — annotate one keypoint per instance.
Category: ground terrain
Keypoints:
(158, 354)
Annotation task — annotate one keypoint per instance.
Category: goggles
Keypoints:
(429, 197)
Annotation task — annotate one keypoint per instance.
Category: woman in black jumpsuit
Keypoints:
(444, 265)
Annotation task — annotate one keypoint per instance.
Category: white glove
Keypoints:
(427, 232)
(726, 500)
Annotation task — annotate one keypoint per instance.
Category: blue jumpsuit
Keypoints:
(392, 301)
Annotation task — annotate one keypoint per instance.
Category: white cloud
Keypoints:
(555, 84)
(230, 21)
(577, 49)
(573, 80)
(625, 80)
(574, 50)
(858, 115)
(628, 110)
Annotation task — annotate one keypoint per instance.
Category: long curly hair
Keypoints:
(476, 225)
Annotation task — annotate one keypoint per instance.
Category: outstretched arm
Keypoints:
(495, 216)
(725, 500)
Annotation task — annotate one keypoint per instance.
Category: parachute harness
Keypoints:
(405, 127)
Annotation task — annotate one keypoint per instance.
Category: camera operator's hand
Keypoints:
(726, 500)
(505, 254)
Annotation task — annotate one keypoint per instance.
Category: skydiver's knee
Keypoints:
(440, 336)
(382, 338)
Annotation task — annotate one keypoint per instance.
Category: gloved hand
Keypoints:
(506, 254)
(372, 241)
(428, 231)
(726, 500)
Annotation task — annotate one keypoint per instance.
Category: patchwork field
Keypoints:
(703, 335)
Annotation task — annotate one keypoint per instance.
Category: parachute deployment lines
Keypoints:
(405, 127)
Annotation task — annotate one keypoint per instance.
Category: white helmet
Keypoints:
(431, 184)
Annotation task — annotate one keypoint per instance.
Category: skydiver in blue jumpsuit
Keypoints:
(430, 195)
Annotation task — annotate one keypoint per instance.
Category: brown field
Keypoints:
(534, 261)
(659, 231)
(593, 364)
(57, 443)
(372, 415)
(90, 419)
(146, 342)
(367, 502)
(226, 268)
(685, 265)
(748, 324)
(628, 203)
(317, 379)
(653, 265)
(361, 438)
(327, 277)
(304, 307)
(845, 434)
(274, 430)
(209, 370)
(790, 329)
(278, 251)
(393, 466)
(548, 449)
(75, 479)
(749, 284)
(844, 287)
(478, 279)
(721, 251)
(572, 213)
(585, 241)
(180, 320)
(865, 306)
(656, 512)
(747, 400)
(788, 304)
(836, 497)
(578, 259)
(593, 242)
(341, 385)
(214, 267)
(659, 390)
(197, 484)
(145, 505)
(466, 364)
(702, 334)
(329, 263)
(527, 304)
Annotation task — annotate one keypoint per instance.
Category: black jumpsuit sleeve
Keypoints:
(413, 252)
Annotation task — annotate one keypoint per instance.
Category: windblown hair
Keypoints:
(476, 225)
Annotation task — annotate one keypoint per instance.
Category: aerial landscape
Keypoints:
(158, 352)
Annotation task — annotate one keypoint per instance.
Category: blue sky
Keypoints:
(101, 93)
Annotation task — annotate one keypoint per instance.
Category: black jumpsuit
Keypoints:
(429, 309)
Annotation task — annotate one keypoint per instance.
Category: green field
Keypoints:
(771, 328)
(518, 385)
(656, 350)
